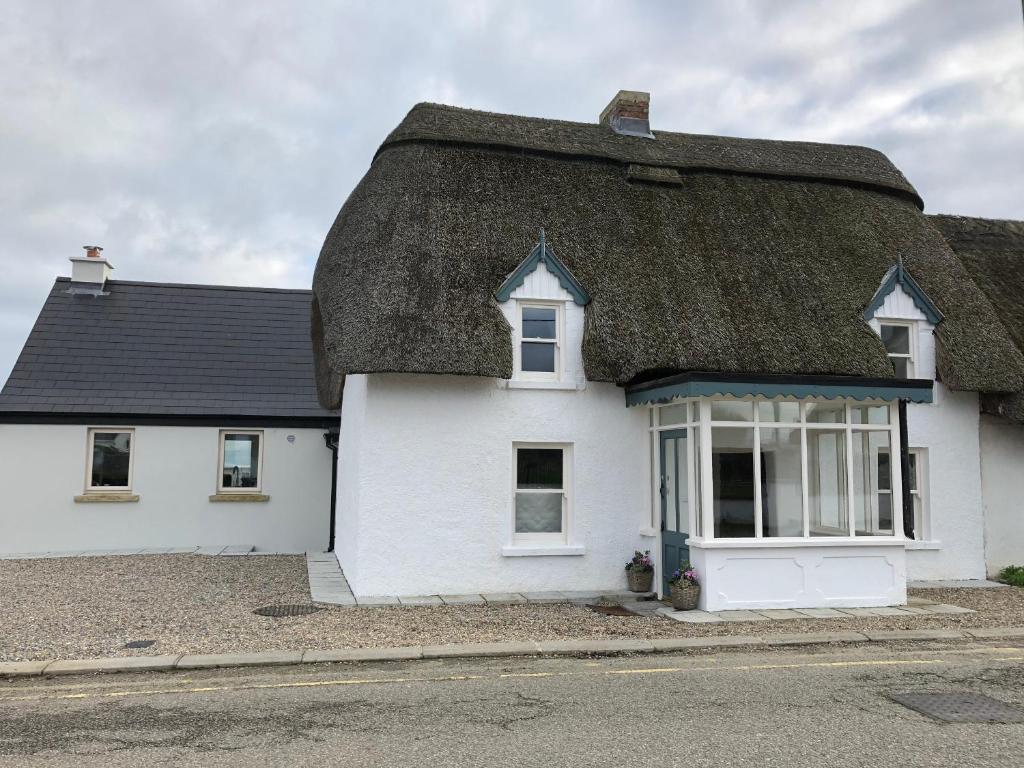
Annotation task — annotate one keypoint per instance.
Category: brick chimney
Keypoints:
(89, 273)
(628, 114)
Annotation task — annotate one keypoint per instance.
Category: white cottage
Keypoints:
(554, 343)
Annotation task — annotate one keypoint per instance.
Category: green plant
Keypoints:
(641, 562)
(1013, 574)
(686, 575)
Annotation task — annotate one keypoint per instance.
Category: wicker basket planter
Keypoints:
(640, 581)
(685, 596)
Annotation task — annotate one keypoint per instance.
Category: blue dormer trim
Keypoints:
(542, 254)
(898, 275)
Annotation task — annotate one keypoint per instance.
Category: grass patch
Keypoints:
(1013, 574)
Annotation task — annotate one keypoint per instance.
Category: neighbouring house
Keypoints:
(553, 343)
(152, 415)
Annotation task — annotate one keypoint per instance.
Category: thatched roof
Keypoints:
(993, 252)
(761, 260)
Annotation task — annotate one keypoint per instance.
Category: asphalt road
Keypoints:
(783, 708)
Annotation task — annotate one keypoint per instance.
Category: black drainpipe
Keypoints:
(331, 438)
(908, 499)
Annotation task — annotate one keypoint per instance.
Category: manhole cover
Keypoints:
(960, 707)
(611, 610)
(139, 644)
(279, 611)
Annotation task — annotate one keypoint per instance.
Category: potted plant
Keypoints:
(640, 571)
(685, 588)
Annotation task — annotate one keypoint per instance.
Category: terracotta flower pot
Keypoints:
(685, 596)
(640, 581)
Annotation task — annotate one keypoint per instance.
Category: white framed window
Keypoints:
(240, 461)
(110, 464)
(540, 331)
(541, 493)
(900, 340)
(788, 468)
(919, 492)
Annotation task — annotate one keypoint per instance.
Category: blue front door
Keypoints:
(675, 503)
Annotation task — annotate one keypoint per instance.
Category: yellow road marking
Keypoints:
(505, 675)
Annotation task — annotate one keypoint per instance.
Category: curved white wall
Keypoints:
(43, 468)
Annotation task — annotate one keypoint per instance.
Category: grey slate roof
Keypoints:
(155, 349)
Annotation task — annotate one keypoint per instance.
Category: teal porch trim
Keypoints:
(706, 385)
(898, 275)
(542, 254)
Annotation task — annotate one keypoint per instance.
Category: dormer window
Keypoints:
(898, 339)
(539, 345)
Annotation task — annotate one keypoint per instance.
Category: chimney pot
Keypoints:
(628, 114)
(92, 251)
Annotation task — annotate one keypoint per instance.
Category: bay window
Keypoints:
(788, 468)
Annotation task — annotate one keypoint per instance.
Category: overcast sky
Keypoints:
(215, 141)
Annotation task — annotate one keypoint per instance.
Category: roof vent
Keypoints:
(89, 273)
(628, 114)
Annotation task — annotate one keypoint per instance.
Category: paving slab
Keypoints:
(503, 597)
(211, 550)
(914, 634)
(891, 611)
(544, 597)
(376, 601)
(564, 647)
(362, 654)
(814, 638)
(262, 659)
(781, 613)
(957, 584)
(914, 600)
(944, 608)
(996, 633)
(860, 613)
(238, 549)
(462, 599)
(692, 617)
(666, 645)
(570, 595)
(739, 615)
(480, 649)
(124, 664)
(22, 668)
(919, 610)
(821, 613)
(420, 600)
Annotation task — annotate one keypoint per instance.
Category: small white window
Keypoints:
(110, 460)
(541, 500)
(539, 353)
(919, 492)
(241, 461)
(898, 339)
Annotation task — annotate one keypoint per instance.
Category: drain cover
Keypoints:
(139, 644)
(279, 611)
(611, 610)
(960, 707)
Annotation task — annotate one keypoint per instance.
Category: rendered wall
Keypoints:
(43, 468)
(1002, 474)
(434, 485)
(823, 576)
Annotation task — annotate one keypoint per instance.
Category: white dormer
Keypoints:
(544, 306)
(905, 318)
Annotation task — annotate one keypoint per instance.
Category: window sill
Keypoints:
(927, 544)
(240, 497)
(562, 385)
(824, 541)
(649, 532)
(106, 498)
(542, 551)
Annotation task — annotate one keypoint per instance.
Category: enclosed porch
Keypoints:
(782, 493)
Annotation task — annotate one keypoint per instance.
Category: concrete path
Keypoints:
(327, 584)
(799, 708)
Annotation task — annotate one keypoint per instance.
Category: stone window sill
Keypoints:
(106, 498)
(240, 497)
(526, 384)
(541, 551)
(929, 544)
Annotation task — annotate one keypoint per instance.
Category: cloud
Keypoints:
(216, 141)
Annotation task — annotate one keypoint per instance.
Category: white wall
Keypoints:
(432, 494)
(43, 468)
(804, 576)
(1002, 475)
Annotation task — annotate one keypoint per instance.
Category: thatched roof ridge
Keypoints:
(992, 250)
(756, 271)
(841, 163)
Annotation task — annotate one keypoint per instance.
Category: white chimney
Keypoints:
(91, 271)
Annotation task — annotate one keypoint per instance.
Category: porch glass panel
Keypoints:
(826, 465)
(732, 462)
(781, 483)
(872, 484)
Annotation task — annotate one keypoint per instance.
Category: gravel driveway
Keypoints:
(91, 606)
